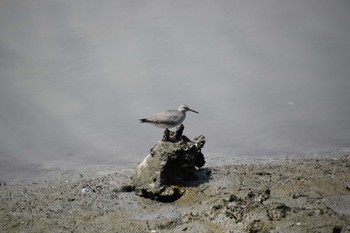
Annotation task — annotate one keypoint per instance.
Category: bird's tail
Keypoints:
(143, 120)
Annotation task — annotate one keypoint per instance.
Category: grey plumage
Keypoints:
(168, 119)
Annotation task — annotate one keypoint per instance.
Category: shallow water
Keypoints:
(268, 78)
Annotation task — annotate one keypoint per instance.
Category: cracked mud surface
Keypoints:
(300, 195)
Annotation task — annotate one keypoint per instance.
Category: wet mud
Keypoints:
(294, 195)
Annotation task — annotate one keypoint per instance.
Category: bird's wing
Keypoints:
(168, 117)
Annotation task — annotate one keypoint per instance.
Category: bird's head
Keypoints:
(185, 108)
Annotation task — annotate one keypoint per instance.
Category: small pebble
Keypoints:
(85, 190)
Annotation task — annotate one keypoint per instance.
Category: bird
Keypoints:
(168, 119)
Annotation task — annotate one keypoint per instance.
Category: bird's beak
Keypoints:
(193, 110)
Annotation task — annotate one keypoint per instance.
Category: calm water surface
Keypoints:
(268, 78)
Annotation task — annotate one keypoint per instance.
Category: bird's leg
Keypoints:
(166, 135)
(179, 131)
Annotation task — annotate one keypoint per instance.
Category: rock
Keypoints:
(171, 165)
(277, 211)
(258, 226)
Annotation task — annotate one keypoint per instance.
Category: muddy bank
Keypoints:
(300, 195)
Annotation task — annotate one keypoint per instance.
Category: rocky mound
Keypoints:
(172, 164)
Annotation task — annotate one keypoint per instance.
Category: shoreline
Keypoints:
(53, 172)
(306, 194)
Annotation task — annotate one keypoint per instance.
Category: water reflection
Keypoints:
(266, 78)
